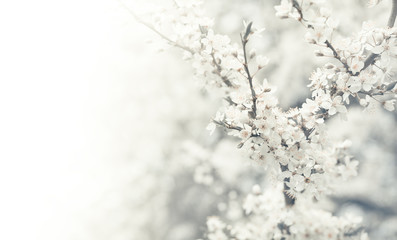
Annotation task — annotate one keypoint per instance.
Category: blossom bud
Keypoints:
(329, 66)
(252, 53)
(234, 53)
(389, 105)
(256, 189)
(325, 12)
(262, 61)
(318, 53)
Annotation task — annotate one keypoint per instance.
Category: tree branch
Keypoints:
(393, 14)
(371, 58)
(227, 125)
(244, 40)
(219, 70)
(336, 55)
(392, 19)
(289, 200)
(154, 29)
(328, 44)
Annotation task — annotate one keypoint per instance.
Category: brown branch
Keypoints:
(336, 55)
(296, 5)
(230, 101)
(369, 61)
(219, 70)
(327, 43)
(390, 23)
(227, 125)
(371, 58)
(289, 200)
(393, 14)
(244, 41)
(218, 67)
(154, 29)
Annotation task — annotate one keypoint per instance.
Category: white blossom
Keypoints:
(284, 9)
(389, 105)
(293, 144)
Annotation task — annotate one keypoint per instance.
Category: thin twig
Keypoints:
(289, 200)
(244, 41)
(390, 23)
(219, 71)
(328, 44)
(230, 101)
(154, 29)
(369, 61)
(227, 125)
(296, 5)
(336, 55)
(371, 58)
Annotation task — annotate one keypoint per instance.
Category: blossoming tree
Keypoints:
(292, 146)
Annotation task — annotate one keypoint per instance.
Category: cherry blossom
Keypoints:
(291, 145)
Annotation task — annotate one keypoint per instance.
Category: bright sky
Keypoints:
(67, 71)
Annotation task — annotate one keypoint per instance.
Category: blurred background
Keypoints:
(103, 137)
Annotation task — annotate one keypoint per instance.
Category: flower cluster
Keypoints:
(363, 62)
(269, 219)
(291, 145)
